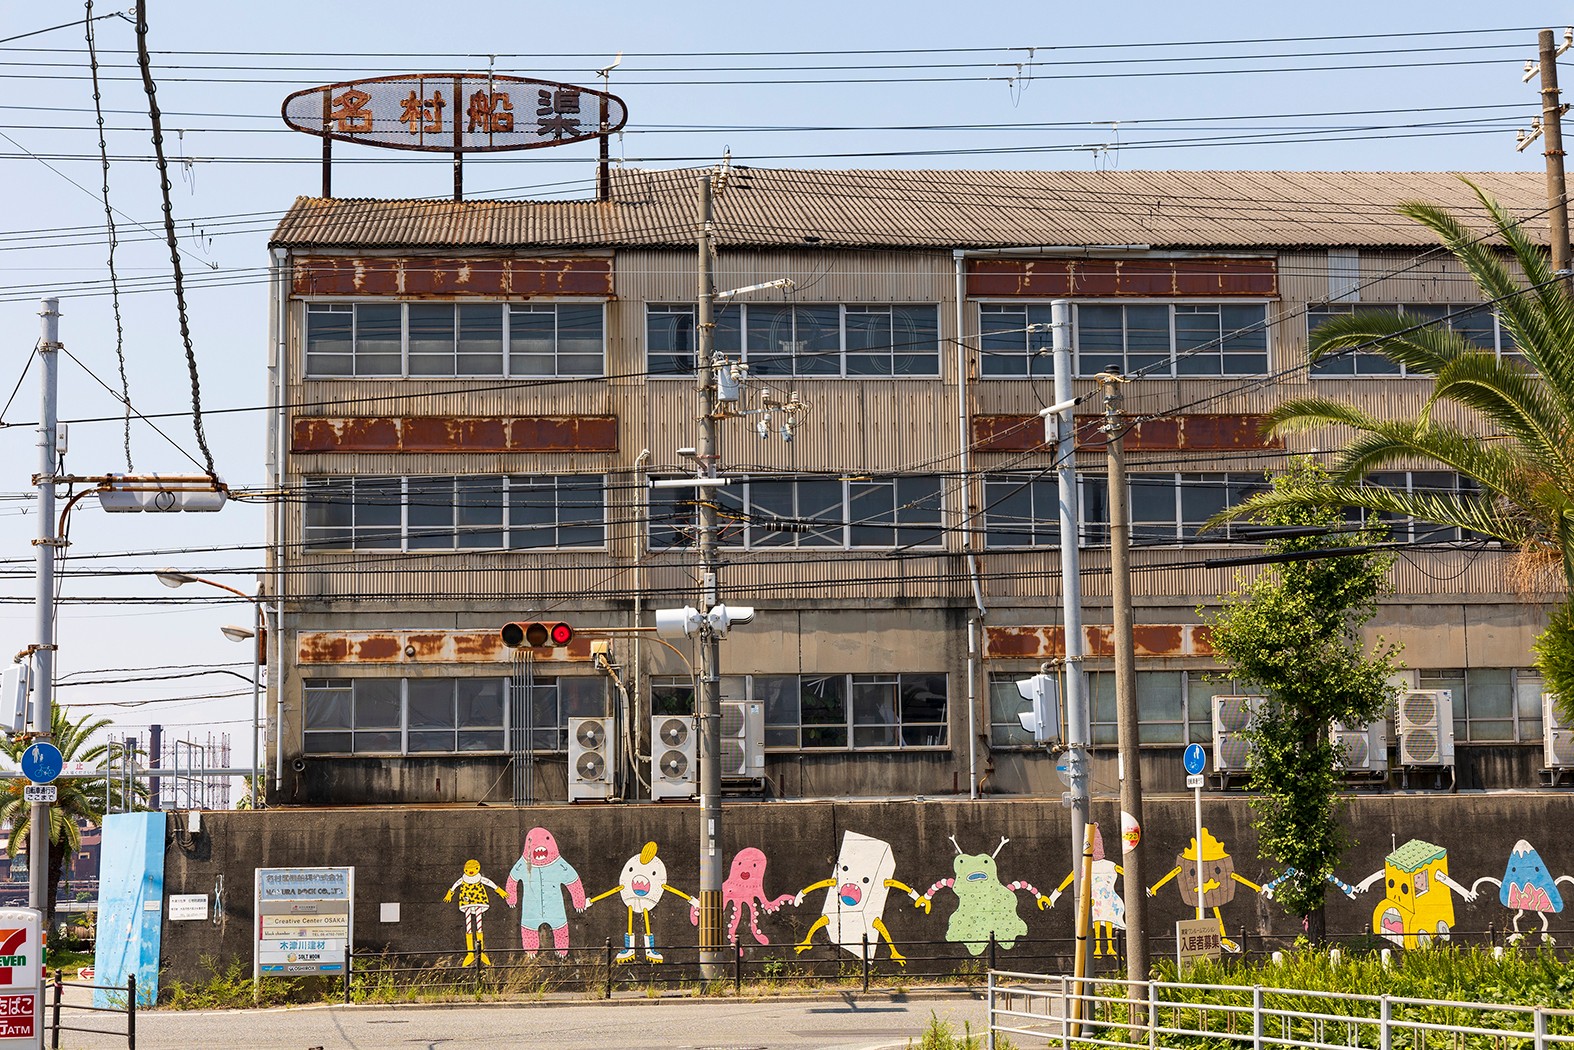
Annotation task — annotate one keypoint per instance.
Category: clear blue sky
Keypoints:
(808, 84)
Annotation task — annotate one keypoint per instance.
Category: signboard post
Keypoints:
(1197, 938)
(21, 977)
(304, 920)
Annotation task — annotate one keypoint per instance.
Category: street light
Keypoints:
(175, 578)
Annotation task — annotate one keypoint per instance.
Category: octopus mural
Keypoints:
(986, 907)
(745, 889)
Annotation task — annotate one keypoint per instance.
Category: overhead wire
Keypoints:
(109, 222)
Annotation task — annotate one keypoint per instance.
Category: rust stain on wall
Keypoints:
(1048, 642)
(1199, 433)
(425, 647)
(1157, 278)
(456, 434)
(452, 278)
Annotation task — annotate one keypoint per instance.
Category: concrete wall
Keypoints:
(412, 856)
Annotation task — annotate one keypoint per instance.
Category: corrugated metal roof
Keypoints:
(934, 209)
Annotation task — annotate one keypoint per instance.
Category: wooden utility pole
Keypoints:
(1127, 724)
(1552, 130)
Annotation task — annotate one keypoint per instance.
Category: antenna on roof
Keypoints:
(603, 175)
(722, 172)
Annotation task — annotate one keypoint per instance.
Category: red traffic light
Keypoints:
(537, 634)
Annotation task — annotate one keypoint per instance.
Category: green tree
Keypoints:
(1292, 633)
(1506, 426)
(79, 799)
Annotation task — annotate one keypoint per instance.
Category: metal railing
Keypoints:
(1104, 1012)
(85, 1011)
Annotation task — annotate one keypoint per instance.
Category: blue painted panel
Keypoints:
(130, 906)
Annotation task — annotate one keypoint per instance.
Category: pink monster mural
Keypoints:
(745, 888)
(535, 887)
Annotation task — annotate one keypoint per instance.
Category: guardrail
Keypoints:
(1144, 1015)
(60, 1003)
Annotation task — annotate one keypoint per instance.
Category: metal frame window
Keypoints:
(1023, 510)
(1174, 707)
(857, 712)
(820, 512)
(1478, 324)
(1496, 705)
(1433, 482)
(1156, 338)
(467, 512)
(426, 716)
(855, 340)
(422, 340)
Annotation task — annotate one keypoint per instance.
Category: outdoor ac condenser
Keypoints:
(1426, 727)
(1559, 738)
(1362, 750)
(591, 770)
(674, 769)
(742, 740)
(1231, 717)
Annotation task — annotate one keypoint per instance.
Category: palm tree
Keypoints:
(1506, 426)
(79, 799)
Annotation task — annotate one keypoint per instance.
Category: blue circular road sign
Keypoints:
(1196, 759)
(41, 762)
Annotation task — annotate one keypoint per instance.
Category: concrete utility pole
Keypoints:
(1552, 129)
(1078, 722)
(38, 888)
(1128, 727)
(708, 702)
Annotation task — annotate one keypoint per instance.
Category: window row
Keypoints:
(482, 512)
(1024, 510)
(1491, 705)
(809, 339)
(1478, 324)
(407, 716)
(836, 712)
(808, 512)
(524, 340)
(1156, 339)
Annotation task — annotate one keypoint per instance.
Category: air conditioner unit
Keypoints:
(1361, 751)
(1426, 727)
(674, 769)
(742, 740)
(1231, 717)
(1559, 737)
(590, 765)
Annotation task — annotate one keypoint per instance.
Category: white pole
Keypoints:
(39, 889)
(1197, 804)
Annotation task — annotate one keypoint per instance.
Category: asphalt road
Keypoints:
(876, 1021)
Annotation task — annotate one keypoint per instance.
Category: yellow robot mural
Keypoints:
(1218, 880)
(1419, 904)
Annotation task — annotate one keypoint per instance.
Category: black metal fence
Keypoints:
(61, 1009)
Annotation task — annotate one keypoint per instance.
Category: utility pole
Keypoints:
(708, 702)
(1078, 723)
(1128, 729)
(44, 559)
(1552, 128)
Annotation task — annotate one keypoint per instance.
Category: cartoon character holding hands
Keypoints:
(535, 886)
(641, 886)
(473, 903)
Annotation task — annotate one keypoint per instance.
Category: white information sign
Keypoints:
(1194, 780)
(1198, 939)
(40, 793)
(304, 920)
(186, 907)
(21, 977)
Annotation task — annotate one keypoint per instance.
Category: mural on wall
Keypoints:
(1108, 911)
(1218, 880)
(985, 906)
(1419, 902)
(1272, 885)
(535, 886)
(473, 903)
(1527, 885)
(641, 886)
(745, 888)
(852, 915)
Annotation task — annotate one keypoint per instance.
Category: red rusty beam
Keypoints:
(414, 277)
(1049, 642)
(455, 434)
(1197, 433)
(424, 647)
(1155, 278)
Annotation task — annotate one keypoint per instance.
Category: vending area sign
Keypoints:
(21, 976)
(455, 112)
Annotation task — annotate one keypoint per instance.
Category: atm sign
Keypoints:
(16, 1016)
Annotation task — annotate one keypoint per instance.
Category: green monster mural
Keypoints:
(985, 905)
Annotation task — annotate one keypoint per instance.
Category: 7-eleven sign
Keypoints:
(21, 977)
(12, 953)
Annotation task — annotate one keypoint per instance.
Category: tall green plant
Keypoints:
(1292, 632)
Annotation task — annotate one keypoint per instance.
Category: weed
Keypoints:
(231, 988)
(941, 1035)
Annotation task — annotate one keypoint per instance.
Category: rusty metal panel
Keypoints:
(456, 434)
(1049, 642)
(418, 647)
(1147, 277)
(1008, 433)
(1205, 432)
(417, 277)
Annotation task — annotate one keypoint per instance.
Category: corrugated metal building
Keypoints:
(474, 395)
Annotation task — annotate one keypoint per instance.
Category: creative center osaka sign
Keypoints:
(455, 112)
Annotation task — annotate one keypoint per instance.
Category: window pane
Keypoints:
(580, 341)
(376, 703)
(430, 513)
(532, 341)
(431, 704)
(378, 339)
(1100, 339)
(1003, 341)
(327, 704)
(821, 501)
(870, 505)
(819, 340)
(1159, 707)
(916, 331)
(330, 516)
(923, 698)
(670, 340)
(770, 508)
(581, 512)
(379, 512)
(480, 703)
(480, 340)
(479, 512)
(330, 330)
(918, 504)
(1148, 339)
(771, 343)
(869, 341)
(1008, 513)
(431, 339)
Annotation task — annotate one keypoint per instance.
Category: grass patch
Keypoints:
(942, 1035)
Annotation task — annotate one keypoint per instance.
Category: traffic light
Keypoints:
(537, 634)
(1042, 719)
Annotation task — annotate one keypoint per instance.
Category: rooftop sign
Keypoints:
(455, 112)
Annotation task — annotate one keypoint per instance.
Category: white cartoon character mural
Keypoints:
(641, 886)
(1527, 885)
(1418, 905)
(852, 915)
(473, 903)
(536, 885)
(1109, 910)
(986, 907)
